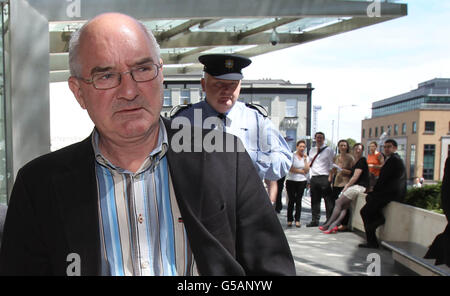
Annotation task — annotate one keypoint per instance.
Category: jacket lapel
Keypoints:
(77, 192)
(188, 189)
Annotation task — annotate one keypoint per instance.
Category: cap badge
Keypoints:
(229, 64)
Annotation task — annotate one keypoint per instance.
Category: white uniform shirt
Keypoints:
(267, 148)
(323, 163)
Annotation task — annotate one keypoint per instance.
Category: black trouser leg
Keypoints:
(278, 203)
(295, 190)
(300, 188)
(320, 187)
(372, 216)
(292, 196)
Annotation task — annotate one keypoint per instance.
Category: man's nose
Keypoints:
(128, 88)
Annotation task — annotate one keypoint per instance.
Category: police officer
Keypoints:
(222, 84)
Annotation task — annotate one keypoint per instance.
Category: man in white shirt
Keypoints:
(320, 166)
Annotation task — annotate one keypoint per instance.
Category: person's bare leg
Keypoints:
(272, 189)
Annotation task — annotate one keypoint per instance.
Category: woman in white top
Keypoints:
(296, 183)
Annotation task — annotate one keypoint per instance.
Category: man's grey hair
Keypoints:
(74, 46)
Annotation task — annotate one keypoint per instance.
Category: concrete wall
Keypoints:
(403, 223)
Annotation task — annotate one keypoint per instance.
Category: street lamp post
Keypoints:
(338, 119)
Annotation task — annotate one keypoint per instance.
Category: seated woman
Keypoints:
(339, 177)
(358, 183)
(296, 183)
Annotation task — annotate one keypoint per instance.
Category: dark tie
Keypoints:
(223, 118)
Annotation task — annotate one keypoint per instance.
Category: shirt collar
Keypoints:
(210, 111)
(151, 160)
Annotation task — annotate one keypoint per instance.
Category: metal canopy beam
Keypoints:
(178, 29)
(266, 27)
(59, 61)
(203, 13)
(71, 10)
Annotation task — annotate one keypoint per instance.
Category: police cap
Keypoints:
(224, 66)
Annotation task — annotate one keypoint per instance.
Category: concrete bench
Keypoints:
(411, 256)
(408, 232)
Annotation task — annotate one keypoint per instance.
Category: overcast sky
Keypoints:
(365, 65)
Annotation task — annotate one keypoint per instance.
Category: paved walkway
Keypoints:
(318, 254)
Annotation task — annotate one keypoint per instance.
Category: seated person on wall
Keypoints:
(390, 186)
(339, 177)
(357, 184)
(126, 201)
(440, 248)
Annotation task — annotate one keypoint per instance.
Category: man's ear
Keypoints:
(203, 83)
(74, 85)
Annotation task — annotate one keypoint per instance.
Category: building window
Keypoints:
(185, 96)
(381, 130)
(414, 127)
(376, 131)
(291, 138)
(291, 107)
(395, 129)
(412, 161)
(388, 130)
(429, 126)
(167, 97)
(363, 133)
(428, 161)
(402, 151)
(370, 132)
(404, 129)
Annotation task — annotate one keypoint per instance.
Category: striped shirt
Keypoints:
(141, 229)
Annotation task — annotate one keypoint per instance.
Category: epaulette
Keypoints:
(175, 110)
(261, 110)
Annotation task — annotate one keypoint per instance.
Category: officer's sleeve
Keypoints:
(274, 154)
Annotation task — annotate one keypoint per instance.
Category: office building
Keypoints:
(419, 121)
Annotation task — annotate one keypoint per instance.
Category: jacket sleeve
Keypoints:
(22, 250)
(261, 246)
(391, 185)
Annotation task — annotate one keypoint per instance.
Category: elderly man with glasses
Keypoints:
(123, 201)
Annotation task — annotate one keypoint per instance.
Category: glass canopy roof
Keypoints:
(183, 39)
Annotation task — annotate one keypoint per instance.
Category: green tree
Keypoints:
(351, 142)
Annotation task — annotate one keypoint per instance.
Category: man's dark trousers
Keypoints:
(372, 216)
(320, 187)
(278, 202)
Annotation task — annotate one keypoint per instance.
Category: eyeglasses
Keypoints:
(107, 80)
